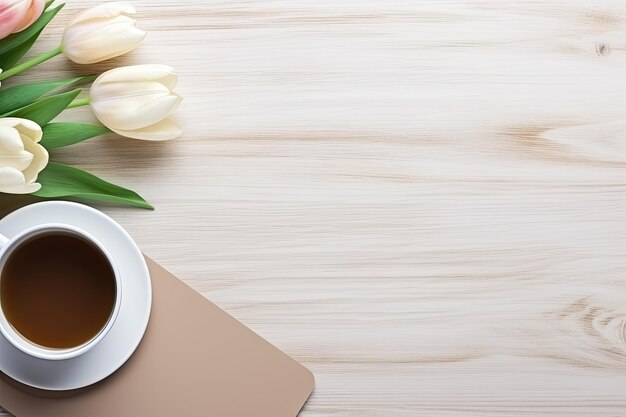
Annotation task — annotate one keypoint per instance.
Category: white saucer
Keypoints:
(123, 338)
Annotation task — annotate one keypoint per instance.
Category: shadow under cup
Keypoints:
(59, 292)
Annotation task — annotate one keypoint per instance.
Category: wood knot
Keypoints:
(598, 331)
(602, 49)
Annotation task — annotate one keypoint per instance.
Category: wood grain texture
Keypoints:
(423, 201)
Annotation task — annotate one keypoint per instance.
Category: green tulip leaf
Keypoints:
(17, 39)
(9, 59)
(48, 4)
(19, 96)
(57, 135)
(64, 181)
(46, 109)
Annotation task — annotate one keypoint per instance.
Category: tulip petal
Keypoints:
(39, 160)
(24, 126)
(104, 11)
(138, 91)
(84, 32)
(12, 181)
(10, 139)
(12, 13)
(12, 152)
(34, 11)
(164, 74)
(138, 108)
(20, 160)
(164, 130)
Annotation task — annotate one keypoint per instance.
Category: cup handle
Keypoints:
(3, 240)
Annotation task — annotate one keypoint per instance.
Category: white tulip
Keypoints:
(137, 101)
(22, 158)
(101, 33)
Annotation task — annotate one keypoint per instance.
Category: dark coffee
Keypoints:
(57, 290)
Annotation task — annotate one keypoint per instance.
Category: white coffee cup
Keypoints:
(7, 246)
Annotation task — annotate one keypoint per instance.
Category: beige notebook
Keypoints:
(195, 361)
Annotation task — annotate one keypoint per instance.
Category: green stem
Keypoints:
(31, 63)
(78, 102)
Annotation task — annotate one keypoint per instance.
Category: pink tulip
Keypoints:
(17, 15)
(35, 8)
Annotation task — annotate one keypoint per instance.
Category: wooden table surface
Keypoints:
(422, 201)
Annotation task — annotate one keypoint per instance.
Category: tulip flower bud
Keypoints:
(22, 158)
(137, 101)
(17, 15)
(101, 33)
